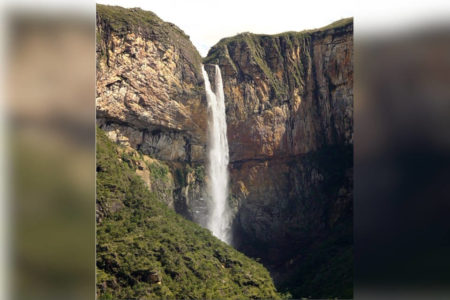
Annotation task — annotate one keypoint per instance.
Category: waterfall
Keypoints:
(218, 157)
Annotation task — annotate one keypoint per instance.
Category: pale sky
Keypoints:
(208, 21)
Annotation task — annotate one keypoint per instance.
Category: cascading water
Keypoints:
(219, 212)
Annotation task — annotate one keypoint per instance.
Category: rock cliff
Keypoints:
(150, 96)
(289, 106)
(287, 94)
(151, 101)
(149, 85)
(289, 103)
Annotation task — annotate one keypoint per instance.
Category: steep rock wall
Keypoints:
(150, 96)
(288, 94)
(289, 103)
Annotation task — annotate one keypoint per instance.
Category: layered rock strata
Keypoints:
(289, 101)
(150, 96)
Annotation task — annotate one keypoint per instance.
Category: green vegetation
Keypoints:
(158, 171)
(145, 250)
(123, 20)
(291, 34)
(337, 24)
(200, 173)
(161, 179)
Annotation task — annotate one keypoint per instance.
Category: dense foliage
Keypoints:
(145, 250)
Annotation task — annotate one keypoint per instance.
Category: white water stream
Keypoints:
(218, 157)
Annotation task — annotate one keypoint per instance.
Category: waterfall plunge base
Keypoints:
(219, 217)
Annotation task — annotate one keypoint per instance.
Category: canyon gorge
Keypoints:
(289, 122)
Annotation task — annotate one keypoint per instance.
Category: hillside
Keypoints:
(145, 250)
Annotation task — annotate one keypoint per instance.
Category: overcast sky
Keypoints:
(208, 21)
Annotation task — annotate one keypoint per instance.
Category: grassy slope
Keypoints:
(145, 236)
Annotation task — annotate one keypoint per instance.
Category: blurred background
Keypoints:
(402, 149)
(48, 147)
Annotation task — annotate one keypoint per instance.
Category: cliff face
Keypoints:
(288, 94)
(149, 85)
(289, 103)
(150, 96)
(150, 101)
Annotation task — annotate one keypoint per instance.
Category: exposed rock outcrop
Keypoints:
(150, 96)
(289, 105)
(149, 85)
(289, 102)
(287, 94)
